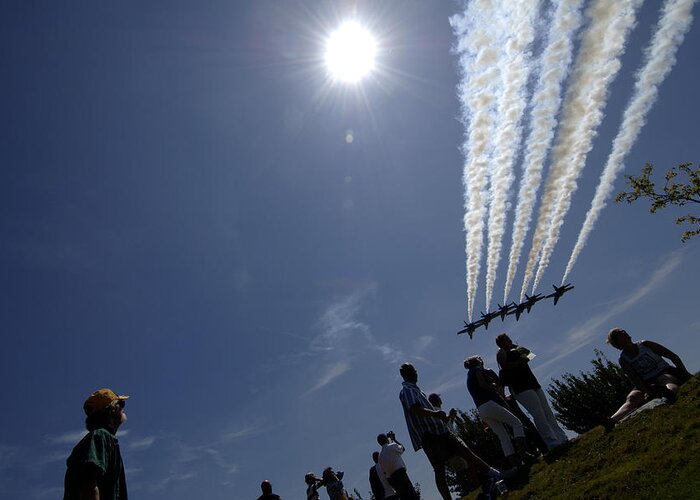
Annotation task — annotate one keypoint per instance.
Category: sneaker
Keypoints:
(669, 396)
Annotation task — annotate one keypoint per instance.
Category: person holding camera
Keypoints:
(394, 468)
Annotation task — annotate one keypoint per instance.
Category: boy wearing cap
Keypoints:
(95, 467)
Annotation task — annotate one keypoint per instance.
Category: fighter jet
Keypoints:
(518, 309)
(504, 310)
(486, 318)
(470, 328)
(559, 291)
(531, 301)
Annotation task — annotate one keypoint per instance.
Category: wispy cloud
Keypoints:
(141, 444)
(226, 466)
(244, 432)
(187, 461)
(66, 437)
(52, 492)
(581, 335)
(424, 342)
(342, 337)
(331, 373)
(72, 437)
(159, 485)
(340, 323)
(451, 383)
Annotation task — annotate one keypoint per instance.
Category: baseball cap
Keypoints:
(101, 399)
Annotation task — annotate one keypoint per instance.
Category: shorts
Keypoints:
(671, 370)
(439, 448)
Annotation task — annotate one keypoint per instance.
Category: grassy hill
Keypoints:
(654, 455)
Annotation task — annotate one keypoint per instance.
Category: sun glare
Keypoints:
(350, 53)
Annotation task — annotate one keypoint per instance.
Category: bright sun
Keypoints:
(350, 53)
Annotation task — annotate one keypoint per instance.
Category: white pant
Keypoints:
(495, 417)
(535, 402)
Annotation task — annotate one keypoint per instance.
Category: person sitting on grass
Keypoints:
(651, 375)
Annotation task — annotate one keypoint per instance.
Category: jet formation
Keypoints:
(514, 309)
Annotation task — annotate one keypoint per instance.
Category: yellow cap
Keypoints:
(99, 400)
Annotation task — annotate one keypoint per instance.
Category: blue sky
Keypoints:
(183, 220)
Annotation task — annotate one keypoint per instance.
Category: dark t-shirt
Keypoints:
(271, 496)
(520, 378)
(96, 456)
(375, 483)
(479, 394)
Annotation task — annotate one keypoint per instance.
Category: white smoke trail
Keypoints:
(575, 157)
(517, 26)
(556, 60)
(596, 65)
(675, 21)
(478, 60)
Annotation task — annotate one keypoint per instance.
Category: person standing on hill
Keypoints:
(394, 467)
(312, 485)
(643, 362)
(516, 374)
(378, 482)
(428, 430)
(95, 470)
(493, 410)
(334, 484)
(266, 487)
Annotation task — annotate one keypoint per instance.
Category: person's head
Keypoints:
(435, 400)
(618, 338)
(104, 408)
(329, 475)
(409, 373)
(382, 439)
(503, 341)
(472, 362)
(375, 457)
(310, 478)
(266, 487)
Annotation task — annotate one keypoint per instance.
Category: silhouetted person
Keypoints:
(516, 374)
(393, 466)
(493, 410)
(457, 464)
(436, 400)
(535, 443)
(643, 362)
(95, 468)
(266, 487)
(428, 430)
(378, 482)
(334, 484)
(312, 485)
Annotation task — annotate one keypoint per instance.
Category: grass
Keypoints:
(654, 455)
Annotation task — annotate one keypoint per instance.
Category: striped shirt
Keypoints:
(410, 396)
